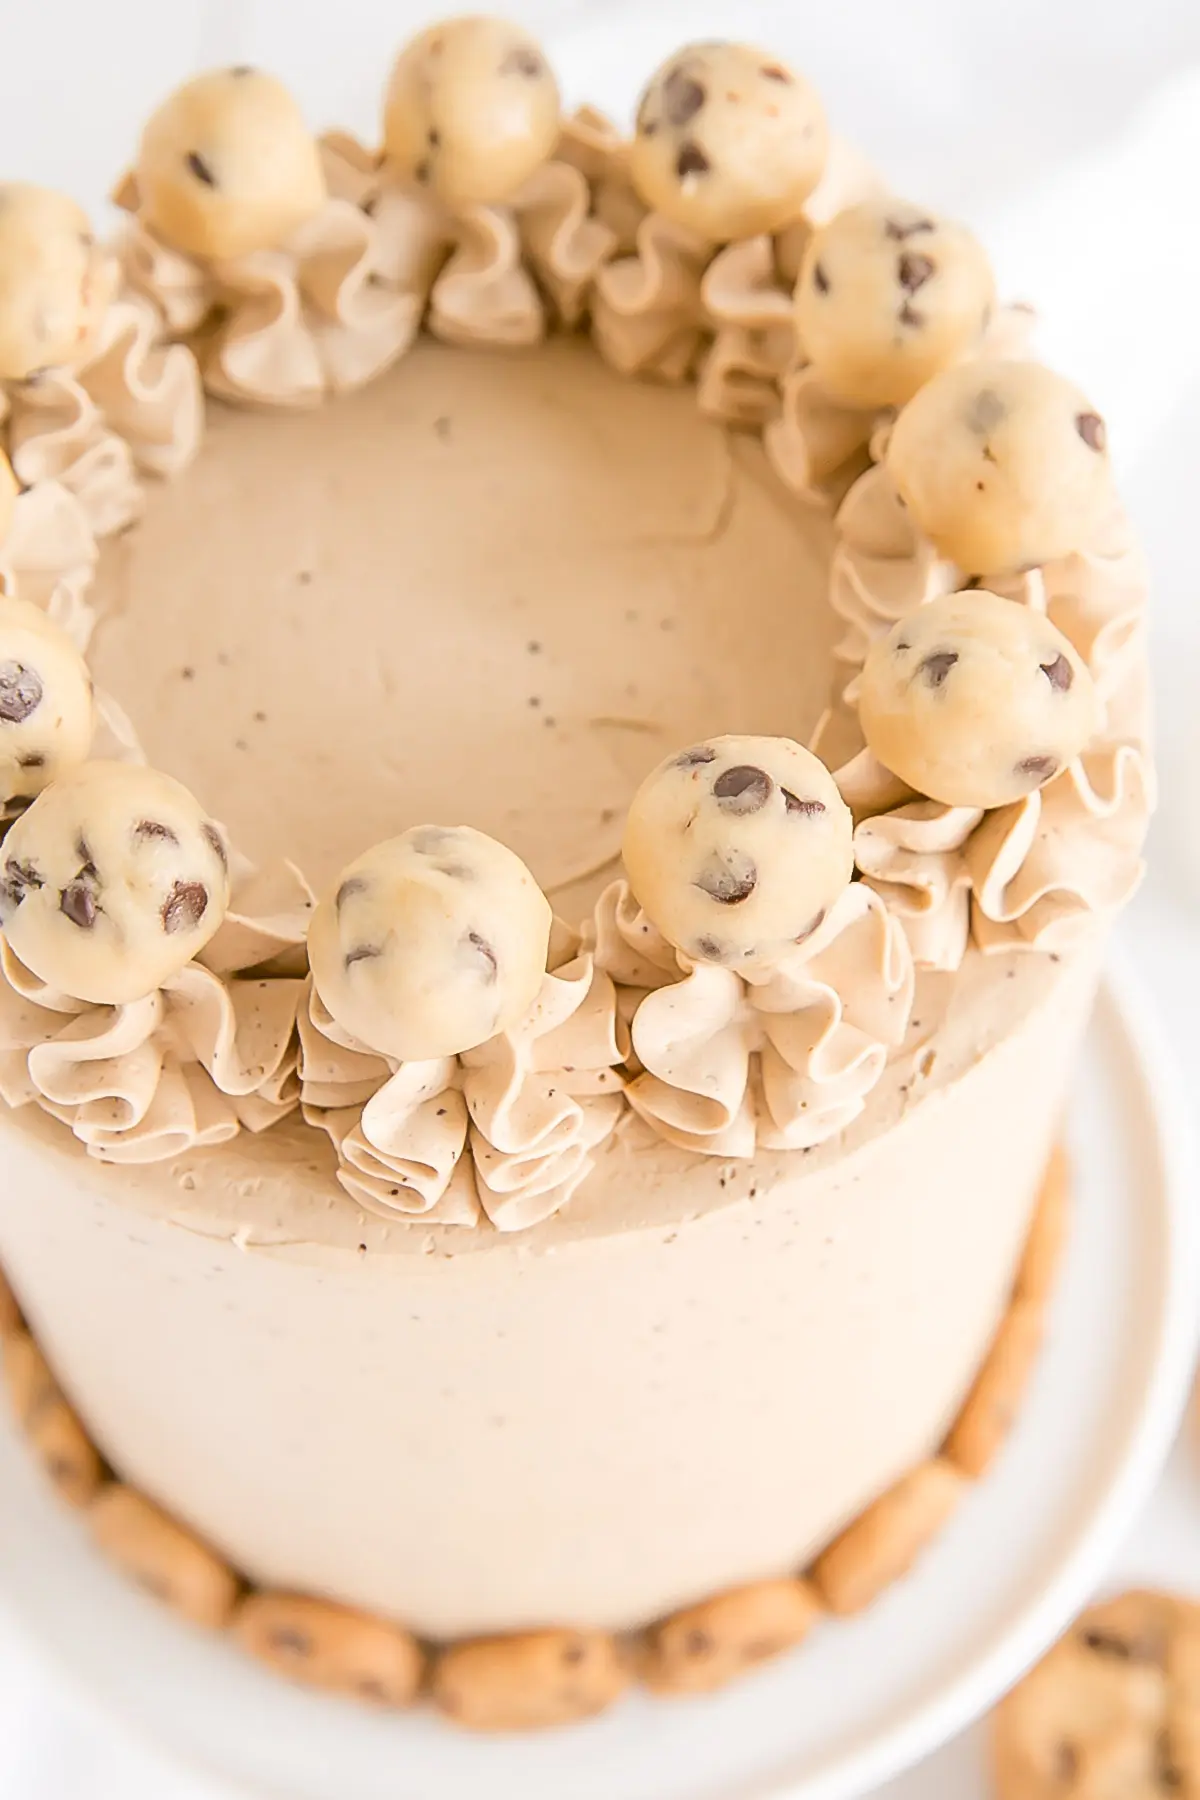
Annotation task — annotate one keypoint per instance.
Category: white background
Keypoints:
(1068, 131)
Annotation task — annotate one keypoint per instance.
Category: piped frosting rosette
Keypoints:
(102, 399)
(498, 273)
(785, 1059)
(1043, 791)
(489, 1085)
(764, 989)
(717, 181)
(143, 1003)
(929, 298)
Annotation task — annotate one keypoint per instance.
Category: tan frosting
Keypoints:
(746, 294)
(530, 1105)
(128, 404)
(49, 555)
(883, 569)
(782, 1061)
(1028, 876)
(185, 1067)
(819, 445)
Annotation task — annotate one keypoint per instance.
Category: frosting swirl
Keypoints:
(783, 1060)
(530, 1106)
(187, 1066)
(820, 446)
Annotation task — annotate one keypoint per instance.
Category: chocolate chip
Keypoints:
(456, 871)
(213, 838)
(694, 758)
(1141, 1647)
(1167, 1772)
(728, 878)
(985, 411)
(682, 98)
(200, 169)
(430, 840)
(355, 885)
(77, 902)
(522, 61)
(820, 279)
(691, 161)
(32, 760)
(899, 232)
(433, 138)
(814, 924)
(774, 72)
(152, 831)
(792, 803)
(1091, 429)
(1058, 673)
(935, 668)
(21, 692)
(1041, 766)
(913, 271)
(743, 789)
(423, 170)
(710, 949)
(362, 953)
(698, 1643)
(486, 954)
(574, 1653)
(291, 1641)
(241, 70)
(908, 315)
(184, 907)
(20, 878)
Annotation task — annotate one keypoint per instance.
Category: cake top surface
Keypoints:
(581, 764)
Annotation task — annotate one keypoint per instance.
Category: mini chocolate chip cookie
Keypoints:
(326, 1646)
(976, 701)
(472, 110)
(704, 1646)
(737, 848)
(112, 881)
(47, 711)
(884, 1542)
(227, 166)
(163, 1558)
(48, 291)
(1113, 1710)
(730, 142)
(48, 1420)
(1003, 465)
(529, 1681)
(431, 943)
(888, 295)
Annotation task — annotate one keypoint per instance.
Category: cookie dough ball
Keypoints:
(1003, 465)
(737, 848)
(111, 882)
(888, 295)
(48, 294)
(47, 713)
(227, 166)
(432, 943)
(472, 110)
(729, 141)
(976, 701)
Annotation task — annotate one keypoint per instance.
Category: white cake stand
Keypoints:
(863, 1699)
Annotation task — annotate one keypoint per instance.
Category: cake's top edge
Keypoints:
(983, 774)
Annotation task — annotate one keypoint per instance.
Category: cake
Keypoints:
(572, 724)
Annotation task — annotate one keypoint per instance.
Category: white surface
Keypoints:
(1069, 130)
(864, 1697)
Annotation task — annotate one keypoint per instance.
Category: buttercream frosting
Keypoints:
(509, 1126)
(819, 445)
(212, 1050)
(1031, 875)
(782, 1060)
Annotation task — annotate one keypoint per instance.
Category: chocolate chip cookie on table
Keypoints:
(1112, 1713)
(606, 1075)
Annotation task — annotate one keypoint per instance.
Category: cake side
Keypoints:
(567, 1428)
